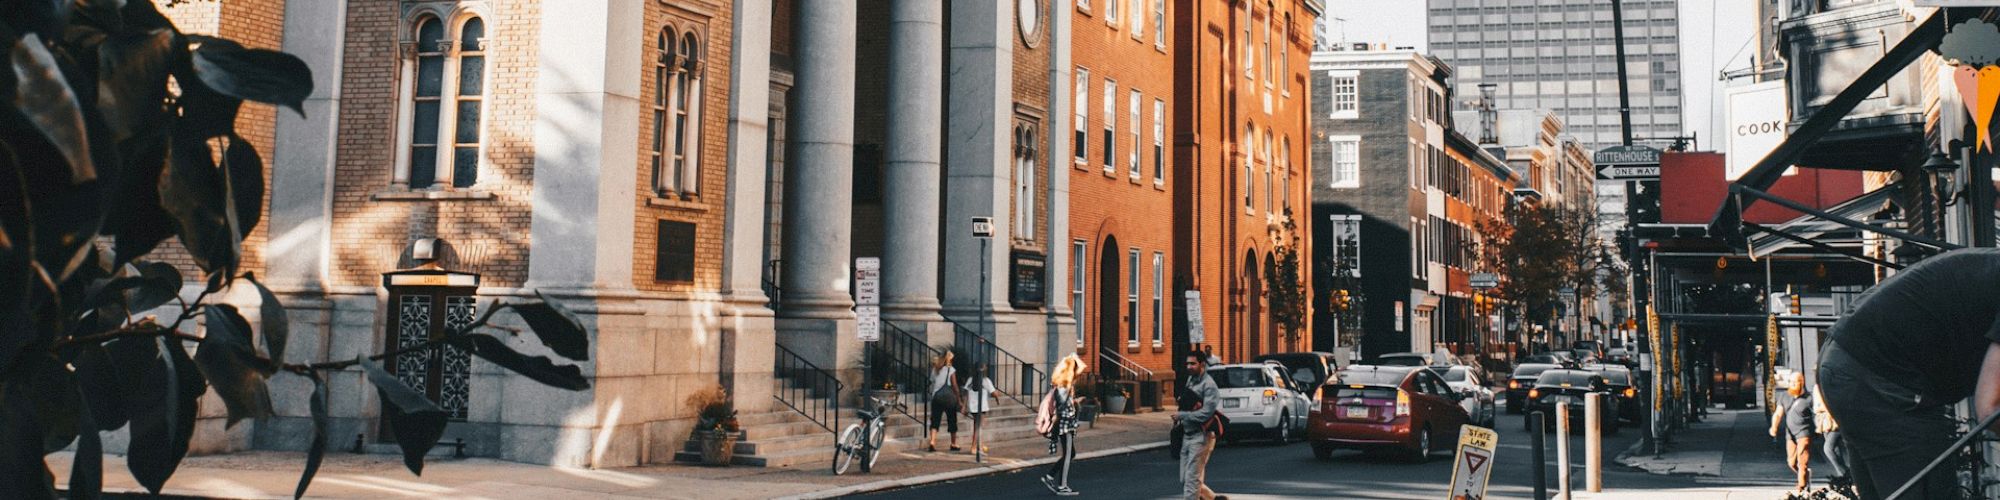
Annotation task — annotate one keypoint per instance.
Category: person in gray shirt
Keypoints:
(1200, 428)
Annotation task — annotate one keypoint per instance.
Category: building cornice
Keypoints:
(1373, 59)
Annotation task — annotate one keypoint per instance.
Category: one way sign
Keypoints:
(1628, 172)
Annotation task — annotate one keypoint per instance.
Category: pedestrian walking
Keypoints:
(979, 394)
(1796, 420)
(1211, 359)
(1057, 419)
(1912, 347)
(1185, 399)
(944, 400)
(1199, 428)
(1835, 447)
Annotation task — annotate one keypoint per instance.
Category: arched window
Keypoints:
(677, 92)
(1249, 179)
(445, 102)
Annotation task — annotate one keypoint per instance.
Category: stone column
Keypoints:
(1061, 321)
(979, 124)
(817, 316)
(746, 325)
(911, 197)
(302, 162)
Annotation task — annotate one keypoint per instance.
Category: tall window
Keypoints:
(1249, 64)
(1160, 24)
(1159, 141)
(1111, 12)
(450, 82)
(1110, 121)
(1346, 232)
(1079, 256)
(1285, 54)
(1268, 12)
(1132, 114)
(1346, 95)
(1249, 179)
(1416, 248)
(1346, 161)
(1025, 156)
(1266, 147)
(1159, 301)
(1285, 173)
(1081, 111)
(1132, 296)
(676, 114)
(1138, 10)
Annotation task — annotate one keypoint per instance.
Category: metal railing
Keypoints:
(1126, 366)
(806, 388)
(772, 288)
(1016, 379)
(903, 360)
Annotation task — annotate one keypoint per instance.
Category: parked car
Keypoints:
(1259, 399)
(1417, 359)
(1571, 386)
(1406, 409)
(1522, 381)
(1317, 368)
(1622, 389)
(1478, 400)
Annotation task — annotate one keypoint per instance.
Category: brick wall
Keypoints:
(490, 229)
(704, 209)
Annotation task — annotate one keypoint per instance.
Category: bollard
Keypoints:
(1562, 449)
(1539, 442)
(1593, 443)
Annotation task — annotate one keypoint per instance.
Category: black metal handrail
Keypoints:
(905, 363)
(1017, 379)
(807, 389)
(1971, 434)
(772, 285)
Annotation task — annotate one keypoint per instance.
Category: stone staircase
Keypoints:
(785, 438)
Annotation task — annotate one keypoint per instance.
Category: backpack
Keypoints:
(1045, 416)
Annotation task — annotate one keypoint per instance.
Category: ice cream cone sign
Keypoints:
(1972, 47)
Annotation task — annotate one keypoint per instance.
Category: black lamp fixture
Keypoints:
(1940, 163)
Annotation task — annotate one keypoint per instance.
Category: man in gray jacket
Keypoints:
(1198, 430)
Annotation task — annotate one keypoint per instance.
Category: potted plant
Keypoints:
(1115, 398)
(715, 428)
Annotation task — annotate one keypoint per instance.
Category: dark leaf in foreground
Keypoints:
(231, 365)
(22, 472)
(86, 471)
(162, 398)
(539, 368)
(160, 283)
(416, 422)
(56, 400)
(317, 449)
(271, 314)
(43, 95)
(191, 190)
(103, 381)
(556, 326)
(140, 223)
(244, 171)
(41, 16)
(132, 80)
(16, 261)
(260, 75)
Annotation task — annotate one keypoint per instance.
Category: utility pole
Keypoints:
(1638, 252)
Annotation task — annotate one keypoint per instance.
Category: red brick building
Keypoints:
(1240, 131)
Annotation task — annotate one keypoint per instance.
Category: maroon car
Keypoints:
(1401, 408)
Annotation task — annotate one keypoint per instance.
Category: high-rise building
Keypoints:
(1560, 55)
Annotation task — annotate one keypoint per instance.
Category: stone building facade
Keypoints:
(1121, 210)
(1239, 134)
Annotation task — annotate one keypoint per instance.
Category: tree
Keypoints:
(117, 132)
(1285, 286)
(1534, 251)
(1345, 299)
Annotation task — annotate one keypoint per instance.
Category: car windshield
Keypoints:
(1372, 377)
(1530, 371)
(1617, 377)
(1241, 377)
(1451, 374)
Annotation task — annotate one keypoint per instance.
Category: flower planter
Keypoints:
(872, 397)
(717, 447)
(1115, 404)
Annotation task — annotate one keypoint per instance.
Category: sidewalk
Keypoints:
(263, 474)
(1729, 447)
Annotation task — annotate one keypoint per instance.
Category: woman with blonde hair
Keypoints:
(1057, 420)
(944, 400)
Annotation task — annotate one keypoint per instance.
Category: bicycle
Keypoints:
(862, 441)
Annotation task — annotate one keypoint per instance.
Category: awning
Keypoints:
(1773, 239)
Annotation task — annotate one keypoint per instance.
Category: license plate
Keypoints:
(1232, 403)
(1354, 412)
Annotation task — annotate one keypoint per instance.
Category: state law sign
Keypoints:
(1474, 465)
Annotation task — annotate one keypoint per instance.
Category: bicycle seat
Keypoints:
(866, 414)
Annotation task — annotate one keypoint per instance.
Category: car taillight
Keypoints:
(1402, 403)
(1513, 384)
(1631, 392)
(1534, 393)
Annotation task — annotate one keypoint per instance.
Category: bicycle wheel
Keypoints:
(875, 438)
(846, 448)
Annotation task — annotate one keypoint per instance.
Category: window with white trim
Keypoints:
(1025, 166)
(1346, 232)
(1346, 94)
(1138, 9)
(1249, 179)
(1111, 12)
(1268, 13)
(1081, 111)
(1249, 65)
(1159, 142)
(1285, 173)
(1266, 148)
(1110, 122)
(1079, 258)
(1132, 297)
(1159, 301)
(677, 100)
(1160, 24)
(445, 101)
(1132, 114)
(1285, 55)
(1346, 168)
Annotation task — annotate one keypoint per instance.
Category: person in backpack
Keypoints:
(1796, 419)
(944, 400)
(1200, 428)
(1835, 447)
(1057, 420)
(979, 394)
(1184, 400)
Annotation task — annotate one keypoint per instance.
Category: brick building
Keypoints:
(1121, 223)
(1240, 125)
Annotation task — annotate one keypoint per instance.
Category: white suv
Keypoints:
(1259, 399)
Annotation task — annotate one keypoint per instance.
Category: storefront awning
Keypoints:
(1773, 239)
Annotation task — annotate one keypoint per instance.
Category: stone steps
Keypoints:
(784, 438)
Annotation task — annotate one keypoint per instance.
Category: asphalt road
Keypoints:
(1264, 470)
